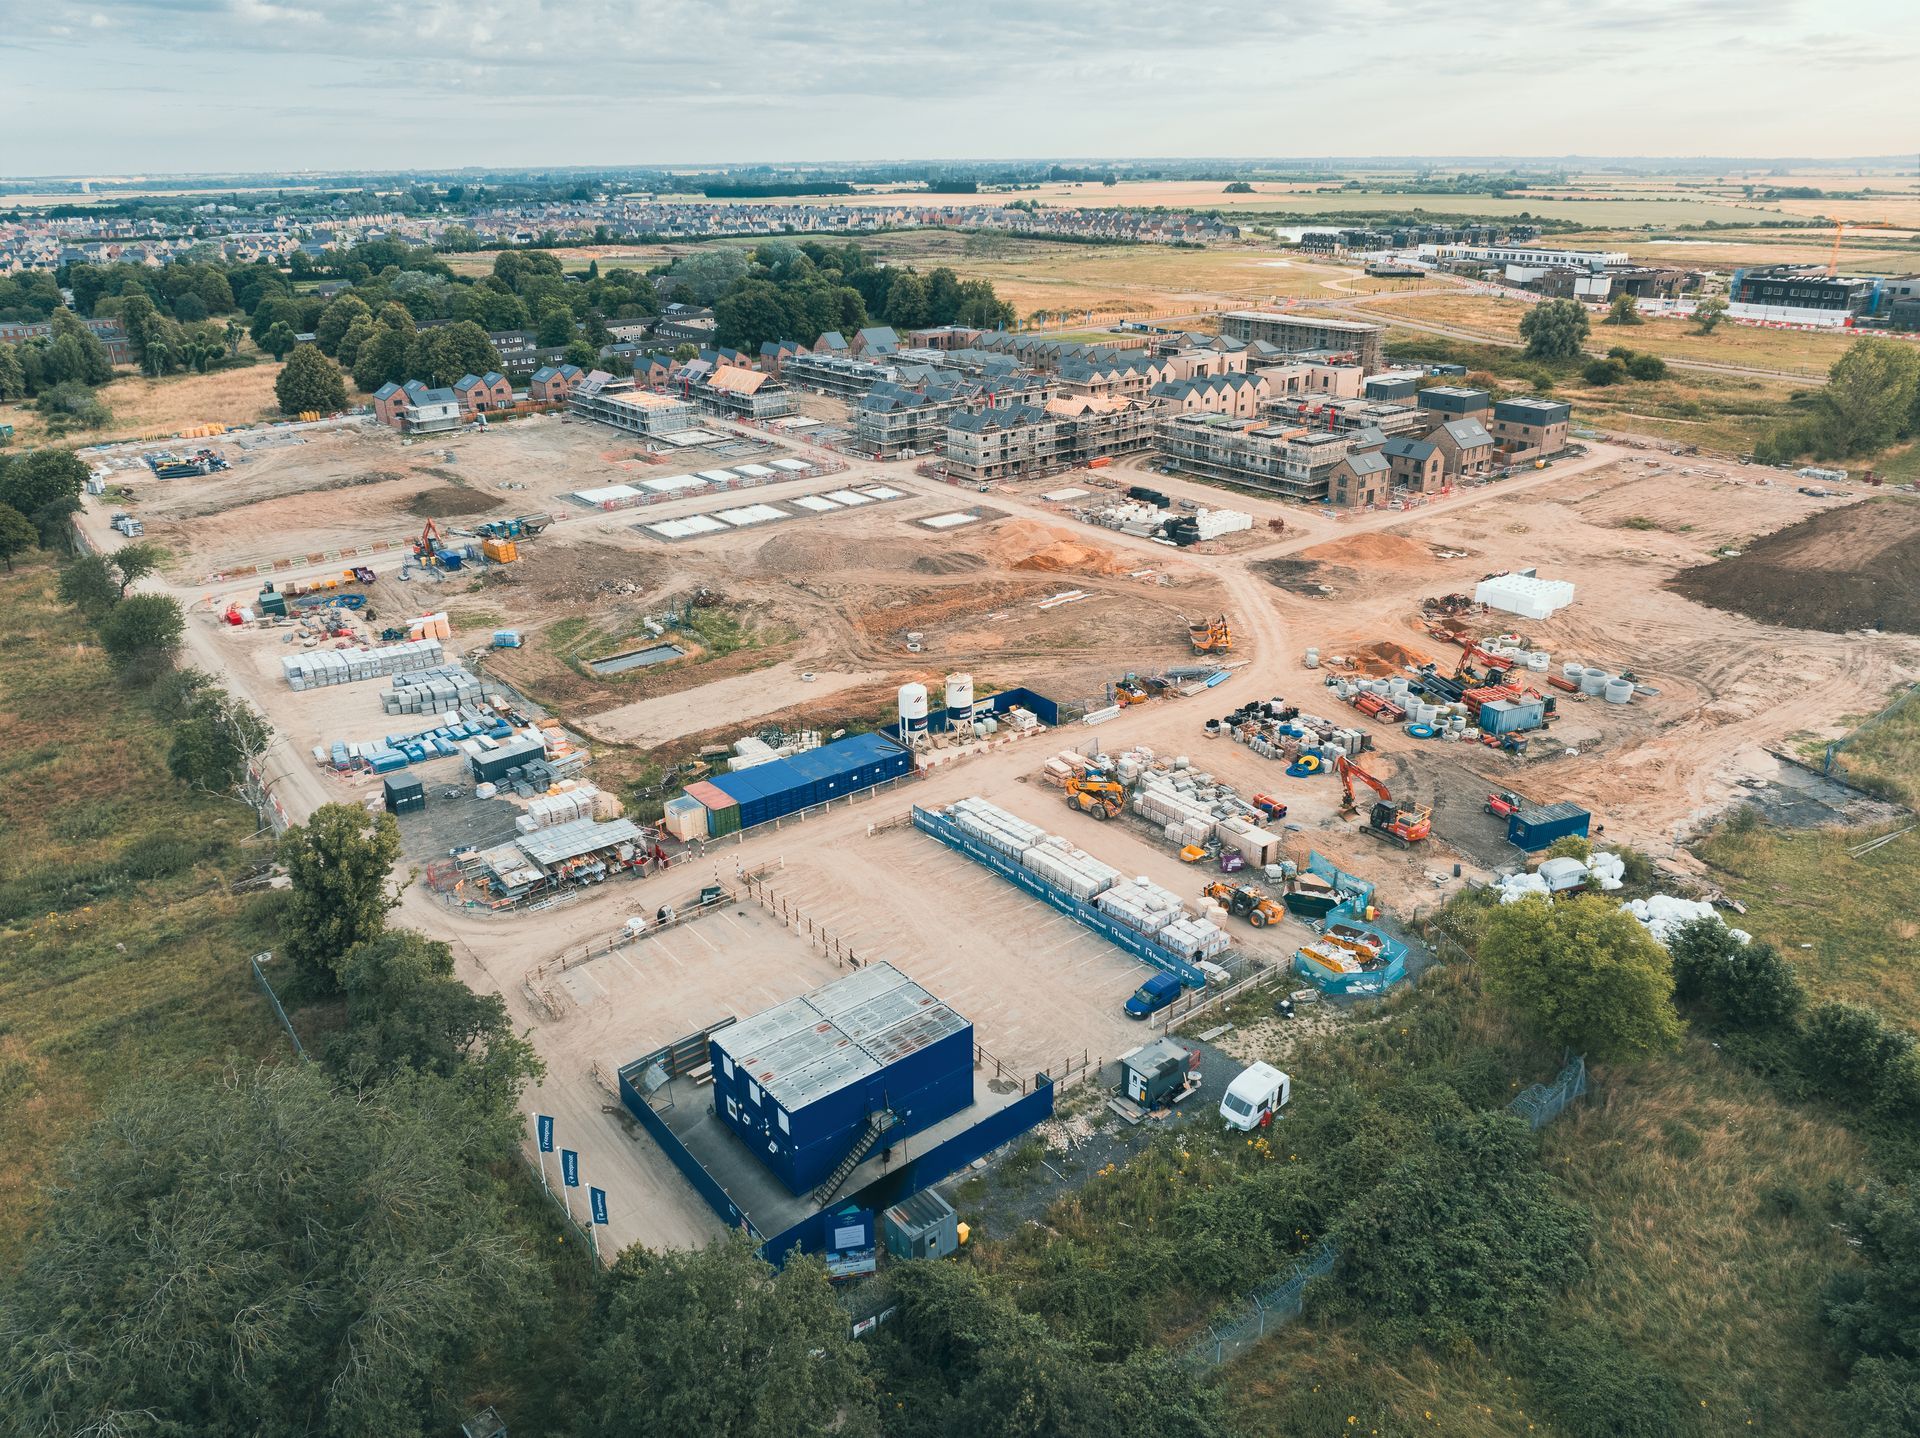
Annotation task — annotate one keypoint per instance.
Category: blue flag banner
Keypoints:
(597, 1201)
(569, 1168)
(544, 1124)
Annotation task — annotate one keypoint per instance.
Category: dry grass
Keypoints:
(1712, 1245)
(1851, 926)
(1727, 413)
(103, 979)
(157, 408)
(1496, 316)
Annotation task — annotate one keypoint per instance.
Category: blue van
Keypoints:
(1152, 996)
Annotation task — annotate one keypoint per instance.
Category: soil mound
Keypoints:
(1394, 551)
(948, 564)
(446, 500)
(1026, 545)
(1384, 658)
(1851, 568)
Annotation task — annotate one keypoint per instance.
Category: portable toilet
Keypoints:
(923, 1226)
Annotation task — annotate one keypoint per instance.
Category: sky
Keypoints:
(130, 87)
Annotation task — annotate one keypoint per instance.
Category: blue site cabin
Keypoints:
(802, 1082)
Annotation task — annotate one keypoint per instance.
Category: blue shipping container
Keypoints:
(1535, 826)
(785, 786)
(1509, 716)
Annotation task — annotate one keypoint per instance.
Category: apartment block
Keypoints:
(1283, 460)
(1301, 333)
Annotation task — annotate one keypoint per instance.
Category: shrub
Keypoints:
(1599, 1387)
(1745, 986)
(1570, 846)
(1604, 372)
(1647, 367)
(1849, 1052)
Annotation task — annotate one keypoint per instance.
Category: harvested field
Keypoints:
(1851, 568)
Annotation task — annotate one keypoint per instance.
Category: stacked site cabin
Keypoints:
(769, 791)
(801, 1083)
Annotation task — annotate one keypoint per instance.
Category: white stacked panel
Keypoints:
(325, 667)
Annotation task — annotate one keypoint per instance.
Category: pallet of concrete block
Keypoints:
(323, 667)
(549, 810)
(1193, 938)
(1256, 845)
(448, 689)
(1213, 523)
(1142, 906)
(1078, 872)
(996, 828)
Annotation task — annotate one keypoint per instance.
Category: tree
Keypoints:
(214, 741)
(715, 1341)
(1555, 329)
(17, 535)
(443, 356)
(1708, 313)
(556, 326)
(752, 313)
(1625, 310)
(1581, 973)
(132, 563)
(13, 378)
(583, 353)
(383, 359)
(1743, 986)
(266, 1255)
(310, 381)
(235, 332)
(907, 305)
(1873, 1309)
(278, 340)
(94, 367)
(1868, 400)
(358, 333)
(71, 405)
(336, 319)
(407, 1011)
(340, 862)
(141, 633)
(89, 584)
(44, 485)
(1647, 367)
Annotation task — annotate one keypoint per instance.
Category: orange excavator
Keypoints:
(1493, 664)
(1402, 824)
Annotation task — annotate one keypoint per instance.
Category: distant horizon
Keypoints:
(186, 87)
(1899, 164)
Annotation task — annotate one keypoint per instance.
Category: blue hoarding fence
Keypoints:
(704, 1183)
(1352, 884)
(1079, 910)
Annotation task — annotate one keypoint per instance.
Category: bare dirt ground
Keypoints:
(837, 595)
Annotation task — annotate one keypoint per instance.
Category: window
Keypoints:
(781, 1115)
(1236, 1105)
(726, 1065)
(753, 1090)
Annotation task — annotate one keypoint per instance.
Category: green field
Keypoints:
(123, 948)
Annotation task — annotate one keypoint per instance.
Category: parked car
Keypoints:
(1152, 996)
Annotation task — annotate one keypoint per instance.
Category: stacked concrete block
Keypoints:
(323, 667)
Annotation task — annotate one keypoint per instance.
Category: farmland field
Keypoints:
(154, 408)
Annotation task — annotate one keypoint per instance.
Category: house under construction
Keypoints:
(1008, 441)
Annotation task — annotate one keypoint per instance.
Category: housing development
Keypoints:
(1027, 794)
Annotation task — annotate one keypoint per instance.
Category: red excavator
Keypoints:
(1402, 824)
(1493, 665)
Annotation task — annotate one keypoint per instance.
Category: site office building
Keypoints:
(800, 1083)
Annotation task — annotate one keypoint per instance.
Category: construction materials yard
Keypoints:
(815, 621)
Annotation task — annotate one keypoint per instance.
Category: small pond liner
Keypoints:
(635, 659)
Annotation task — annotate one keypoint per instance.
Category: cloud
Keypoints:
(701, 80)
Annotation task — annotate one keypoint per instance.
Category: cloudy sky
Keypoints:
(117, 87)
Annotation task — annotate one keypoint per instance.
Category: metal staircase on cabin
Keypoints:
(877, 1125)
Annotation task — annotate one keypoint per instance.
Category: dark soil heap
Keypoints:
(1851, 568)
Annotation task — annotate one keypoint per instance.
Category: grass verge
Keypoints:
(122, 944)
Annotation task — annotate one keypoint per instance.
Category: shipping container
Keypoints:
(404, 795)
(801, 1082)
(1535, 826)
(1510, 716)
(493, 766)
(723, 811)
